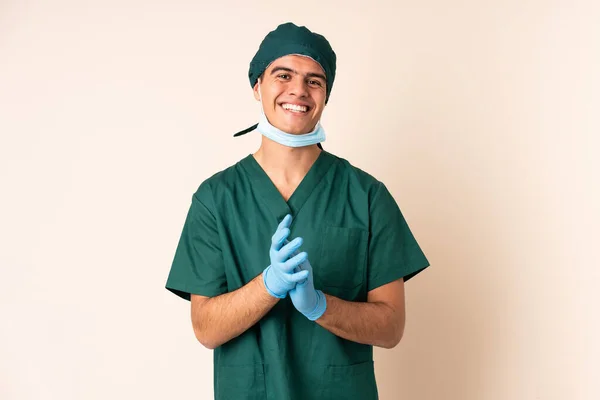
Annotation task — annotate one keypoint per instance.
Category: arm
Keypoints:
(392, 251)
(378, 322)
(216, 320)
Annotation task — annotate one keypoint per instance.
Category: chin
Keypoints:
(298, 131)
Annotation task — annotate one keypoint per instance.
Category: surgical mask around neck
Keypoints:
(284, 138)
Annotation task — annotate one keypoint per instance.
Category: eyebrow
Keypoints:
(308, 75)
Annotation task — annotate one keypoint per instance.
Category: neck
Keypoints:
(286, 164)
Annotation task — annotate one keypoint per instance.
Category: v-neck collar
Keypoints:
(268, 191)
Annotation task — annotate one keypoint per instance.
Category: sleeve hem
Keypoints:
(375, 283)
(185, 291)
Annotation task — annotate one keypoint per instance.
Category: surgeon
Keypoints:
(294, 260)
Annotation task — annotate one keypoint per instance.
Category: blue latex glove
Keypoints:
(281, 275)
(306, 299)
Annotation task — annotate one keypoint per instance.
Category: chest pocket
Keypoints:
(341, 271)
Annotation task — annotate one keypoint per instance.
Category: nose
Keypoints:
(298, 87)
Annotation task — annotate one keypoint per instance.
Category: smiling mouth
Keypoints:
(295, 108)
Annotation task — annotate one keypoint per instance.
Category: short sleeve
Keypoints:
(198, 266)
(393, 251)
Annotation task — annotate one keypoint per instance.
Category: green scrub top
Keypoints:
(356, 239)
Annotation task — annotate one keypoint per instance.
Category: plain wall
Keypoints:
(480, 116)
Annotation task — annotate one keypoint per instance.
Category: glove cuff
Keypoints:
(320, 307)
(264, 274)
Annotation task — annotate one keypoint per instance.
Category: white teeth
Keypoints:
(293, 107)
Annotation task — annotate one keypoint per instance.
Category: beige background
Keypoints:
(480, 116)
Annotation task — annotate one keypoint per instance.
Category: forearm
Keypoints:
(224, 317)
(373, 323)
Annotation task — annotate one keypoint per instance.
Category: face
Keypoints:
(293, 93)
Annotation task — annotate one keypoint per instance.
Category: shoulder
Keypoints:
(218, 183)
(358, 178)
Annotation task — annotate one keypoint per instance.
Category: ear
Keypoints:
(256, 95)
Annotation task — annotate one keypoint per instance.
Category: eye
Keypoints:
(313, 82)
(284, 76)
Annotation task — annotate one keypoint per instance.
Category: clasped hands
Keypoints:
(290, 272)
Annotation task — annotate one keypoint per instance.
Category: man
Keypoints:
(293, 259)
